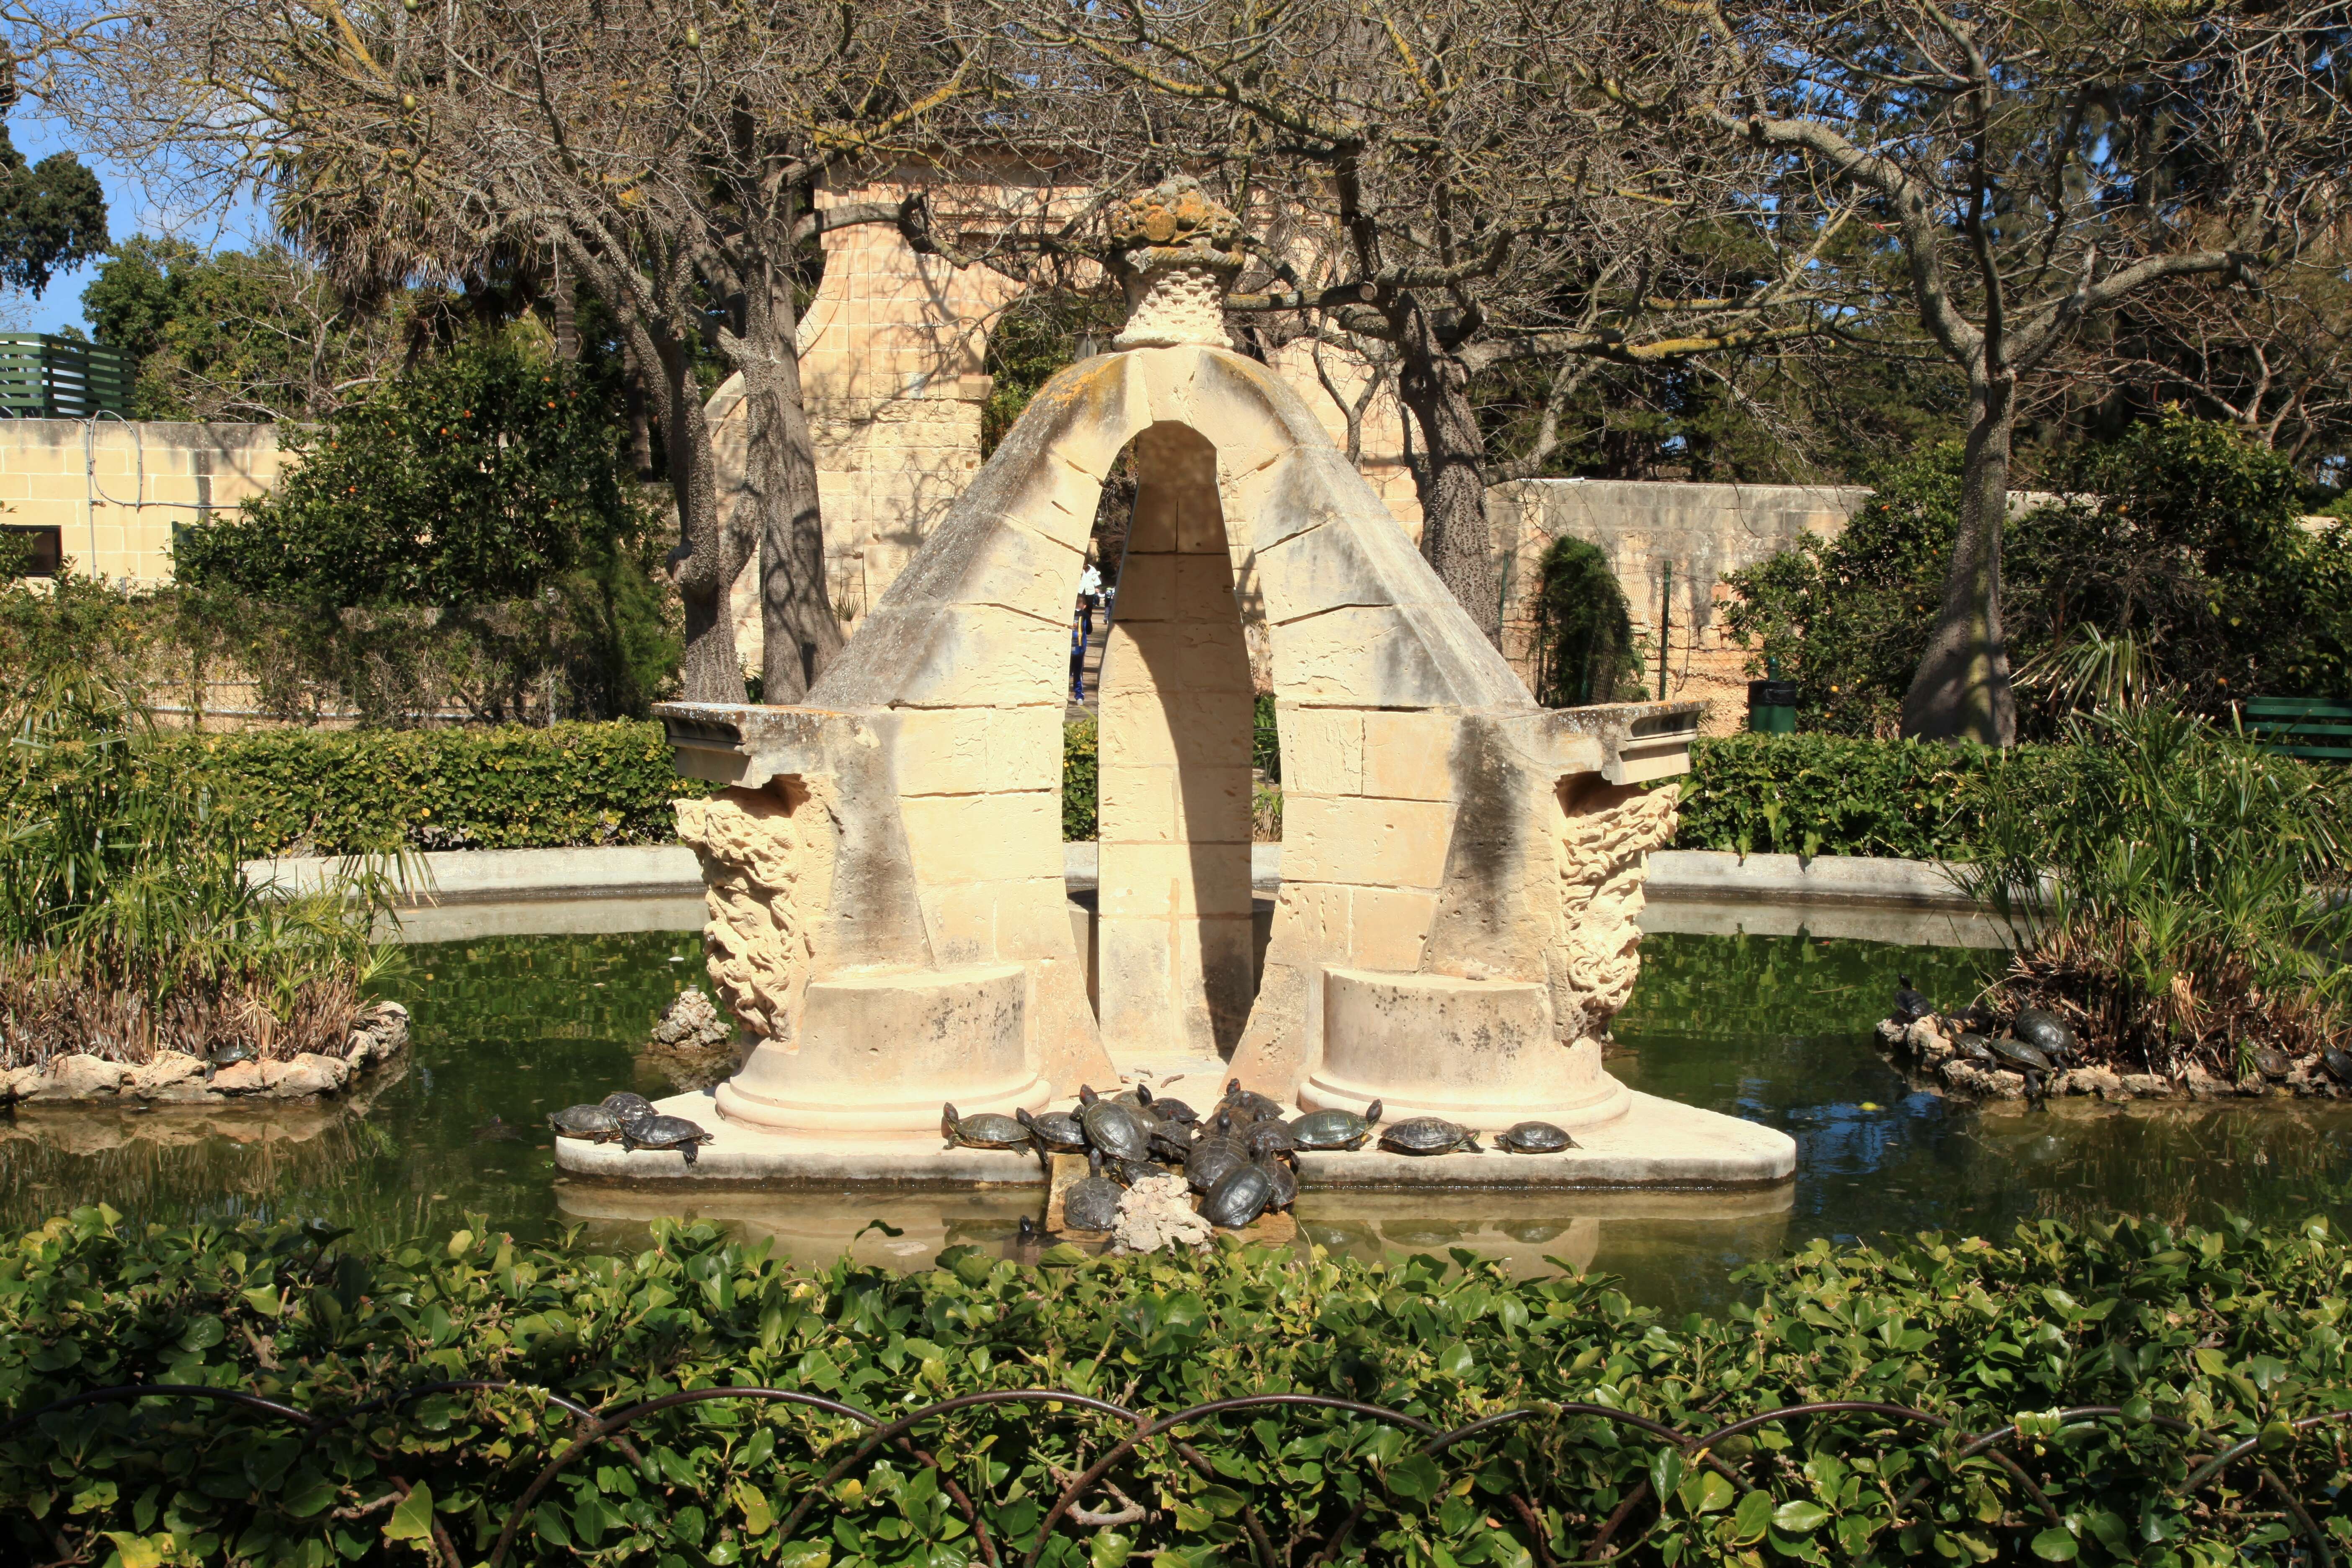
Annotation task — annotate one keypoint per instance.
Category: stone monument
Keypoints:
(1460, 867)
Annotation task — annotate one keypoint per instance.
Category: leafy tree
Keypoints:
(1585, 646)
(52, 213)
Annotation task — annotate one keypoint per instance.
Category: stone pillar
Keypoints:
(1174, 968)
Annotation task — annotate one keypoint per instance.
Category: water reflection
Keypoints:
(1774, 1029)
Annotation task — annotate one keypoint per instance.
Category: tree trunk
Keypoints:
(708, 558)
(801, 634)
(1961, 690)
(1452, 480)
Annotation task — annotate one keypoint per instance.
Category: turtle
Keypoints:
(1336, 1129)
(1428, 1135)
(1976, 1018)
(1238, 1199)
(1284, 1180)
(2020, 1056)
(1092, 1204)
(1267, 1139)
(1117, 1132)
(229, 1055)
(1207, 1166)
(2271, 1062)
(1057, 1131)
(1169, 1109)
(986, 1130)
(1975, 1048)
(1258, 1107)
(624, 1105)
(1910, 1006)
(663, 1132)
(2045, 1031)
(1535, 1138)
(2337, 1063)
(591, 1123)
(498, 1131)
(1169, 1141)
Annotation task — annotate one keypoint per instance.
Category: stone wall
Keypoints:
(114, 491)
(1700, 531)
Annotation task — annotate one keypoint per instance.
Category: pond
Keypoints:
(1774, 1029)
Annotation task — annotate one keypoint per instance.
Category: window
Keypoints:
(46, 544)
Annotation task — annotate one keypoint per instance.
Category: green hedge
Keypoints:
(1827, 794)
(2199, 1341)
(334, 793)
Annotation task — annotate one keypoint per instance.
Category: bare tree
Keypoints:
(669, 156)
(2026, 168)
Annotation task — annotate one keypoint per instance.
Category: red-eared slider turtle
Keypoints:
(1535, 1138)
(1169, 1109)
(2271, 1062)
(1238, 1199)
(625, 1105)
(1092, 1204)
(663, 1132)
(1256, 1107)
(2337, 1063)
(986, 1130)
(1336, 1129)
(1428, 1135)
(2046, 1032)
(1976, 1048)
(592, 1122)
(1267, 1139)
(1057, 1131)
(1910, 1006)
(1211, 1163)
(2019, 1057)
(1115, 1130)
(229, 1055)
(1169, 1141)
(1284, 1180)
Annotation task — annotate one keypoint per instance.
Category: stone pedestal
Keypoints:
(878, 1052)
(1480, 1052)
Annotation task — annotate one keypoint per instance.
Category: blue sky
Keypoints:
(130, 210)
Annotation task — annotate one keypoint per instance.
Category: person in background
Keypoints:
(1089, 595)
(1077, 656)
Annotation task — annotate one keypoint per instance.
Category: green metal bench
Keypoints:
(2299, 727)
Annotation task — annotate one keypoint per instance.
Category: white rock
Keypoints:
(1158, 1212)
(308, 1073)
(79, 1076)
(163, 1070)
(2148, 1085)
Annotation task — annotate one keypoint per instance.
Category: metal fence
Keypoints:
(46, 377)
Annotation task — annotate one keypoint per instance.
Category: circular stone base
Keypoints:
(1610, 1101)
(896, 1117)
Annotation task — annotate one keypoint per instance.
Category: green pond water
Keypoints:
(1775, 1029)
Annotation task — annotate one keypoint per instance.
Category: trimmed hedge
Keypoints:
(351, 792)
(1827, 794)
(2197, 1339)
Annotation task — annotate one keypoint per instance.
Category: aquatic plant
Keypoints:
(126, 923)
(2178, 891)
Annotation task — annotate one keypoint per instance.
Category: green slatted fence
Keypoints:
(2301, 727)
(45, 377)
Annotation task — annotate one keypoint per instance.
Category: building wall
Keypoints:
(1700, 531)
(114, 489)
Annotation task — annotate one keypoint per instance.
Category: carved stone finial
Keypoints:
(1177, 251)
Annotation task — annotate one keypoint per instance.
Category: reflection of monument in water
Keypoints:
(1460, 867)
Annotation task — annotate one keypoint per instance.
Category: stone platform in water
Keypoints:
(1656, 1143)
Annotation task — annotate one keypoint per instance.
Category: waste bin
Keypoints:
(1772, 706)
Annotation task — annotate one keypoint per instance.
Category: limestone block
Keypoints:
(1183, 655)
(1389, 927)
(1322, 748)
(978, 751)
(984, 656)
(1136, 804)
(1409, 756)
(1146, 586)
(1026, 571)
(1216, 974)
(163, 1070)
(878, 1052)
(1353, 838)
(79, 1076)
(1155, 882)
(984, 838)
(1483, 1053)
(1135, 987)
(1204, 589)
(1323, 568)
(1195, 729)
(244, 1077)
(307, 1073)
(1365, 656)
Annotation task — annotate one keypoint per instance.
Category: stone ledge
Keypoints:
(1658, 1143)
(1715, 874)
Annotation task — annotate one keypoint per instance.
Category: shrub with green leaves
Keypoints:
(2109, 1367)
(1830, 794)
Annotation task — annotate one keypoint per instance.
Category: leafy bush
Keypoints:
(2195, 1342)
(1827, 794)
(125, 926)
(1081, 780)
(2181, 895)
(1585, 649)
(313, 791)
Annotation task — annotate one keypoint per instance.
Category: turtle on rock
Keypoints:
(1910, 1006)
(1238, 1199)
(1976, 1048)
(1429, 1135)
(1282, 1179)
(1169, 1109)
(229, 1055)
(2046, 1032)
(662, 1133)
(1211, 1163)
(985, 1131)
(1244, 1102)
(591, 1123)
(2337, 1063)
(2271, 1062)
(1118, 1133)
(1535, 1138)
(1054, 1133)
(1092, 1203)
(1267, 1139)
(1172, 1140)
(1330, 1130)
(624, 1105)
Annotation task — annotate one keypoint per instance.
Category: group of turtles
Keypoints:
(2034, 1041)
(630, 1121)
(1241, 1156)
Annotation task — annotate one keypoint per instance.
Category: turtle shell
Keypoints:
(1269, 1138)
(1331, 1130)
(1238, 1199)
(2020, 1056)
(1117, 1132)
(1091, 1203)
(1975, 1048)
(663, 1132)
(986, 1130)
(1284, 1180)
(1056, 1130)
(625, 1105)
(2271, 1062)
(1211, 1165)
(1170, 1110)
(1535, 1138)
(592, 1122)
(2337, 1063)
(2044, 1030)
(229, 1055)
(1244, 1102)
(1428, 1135)
(1169, 1141)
